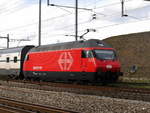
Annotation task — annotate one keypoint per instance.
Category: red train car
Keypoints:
(91, 60)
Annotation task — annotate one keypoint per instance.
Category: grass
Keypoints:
(134, 80)
(132, 83)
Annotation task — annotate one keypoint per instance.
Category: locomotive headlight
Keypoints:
(108, 66)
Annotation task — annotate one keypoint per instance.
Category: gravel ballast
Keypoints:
(75, 102)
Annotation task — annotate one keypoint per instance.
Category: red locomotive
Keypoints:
(91, 61)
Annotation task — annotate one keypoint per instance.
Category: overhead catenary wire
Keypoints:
(11, 3)
(33, 23)
(21, 27)
(117, 13)
(30, 24)
(107, 5)
(112, 4)
(20, 7)
(64, 26)
(145, 19)
(98, 28)
(12, 6)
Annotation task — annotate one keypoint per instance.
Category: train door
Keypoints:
(88, 65)
(84, 61)
(88, 61)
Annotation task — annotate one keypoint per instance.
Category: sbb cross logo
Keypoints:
(65, 61)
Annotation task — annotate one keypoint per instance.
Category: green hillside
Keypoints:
(133, 49)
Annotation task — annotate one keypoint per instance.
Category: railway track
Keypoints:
(115, 92)
(87, 87)
(12, 106)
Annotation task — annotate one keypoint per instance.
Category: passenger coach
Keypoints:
(11, 61)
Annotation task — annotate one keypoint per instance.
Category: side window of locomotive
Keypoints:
(7, 59)
(87, 54)
(83, 54)
(15, 59)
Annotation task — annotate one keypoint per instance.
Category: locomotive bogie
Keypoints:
(59, 76)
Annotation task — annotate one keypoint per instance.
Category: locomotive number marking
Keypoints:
(37, 67)
(65, 61)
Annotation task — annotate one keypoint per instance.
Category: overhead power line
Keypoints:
(35, 23)
(64, 6)
(112, 4)
(12, 6)
(7, 38)
(146, 19)
(97, 28)
(70, 7)
(28, 25)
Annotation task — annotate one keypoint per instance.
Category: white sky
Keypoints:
(19, 18)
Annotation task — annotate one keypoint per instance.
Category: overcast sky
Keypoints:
(19, 18)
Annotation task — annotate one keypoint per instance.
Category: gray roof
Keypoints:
(12, 50)
(71, 45)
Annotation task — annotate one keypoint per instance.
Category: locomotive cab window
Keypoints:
(105, 54)
(7, 59)
(83, 54)
(15, 59)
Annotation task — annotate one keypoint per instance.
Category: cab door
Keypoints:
(84, 61)
(88, 61)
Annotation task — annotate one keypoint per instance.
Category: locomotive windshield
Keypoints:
(105, 54)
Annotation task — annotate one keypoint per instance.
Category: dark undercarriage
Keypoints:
(73, 76)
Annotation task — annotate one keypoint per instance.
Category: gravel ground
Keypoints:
(76, 102)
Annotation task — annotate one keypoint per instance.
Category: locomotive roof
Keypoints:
(13, 49)
(70, 45)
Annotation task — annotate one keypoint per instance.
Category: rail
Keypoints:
(12, 106)
(107, 91)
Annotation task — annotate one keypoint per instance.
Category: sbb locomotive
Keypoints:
(91, 61)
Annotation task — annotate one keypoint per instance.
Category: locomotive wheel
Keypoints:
(114, 78)
(12, 76)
